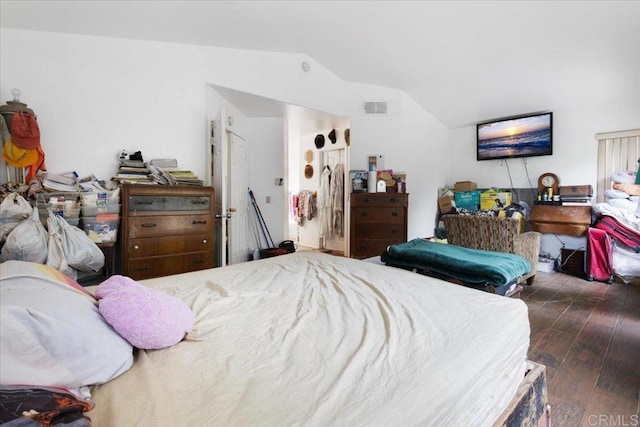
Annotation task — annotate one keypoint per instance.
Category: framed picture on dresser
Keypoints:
(358, 181)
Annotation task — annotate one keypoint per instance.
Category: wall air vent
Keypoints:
(378, 108)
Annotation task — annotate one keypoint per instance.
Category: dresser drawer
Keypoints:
(379, 231)
(385, 215)
(140, 248)
(379, 199)
(145, 268)
(367, 248)
(147, 203)
(156, 226)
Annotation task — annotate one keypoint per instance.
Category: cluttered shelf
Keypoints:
(568, 211)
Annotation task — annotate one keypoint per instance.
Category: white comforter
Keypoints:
(310, 339)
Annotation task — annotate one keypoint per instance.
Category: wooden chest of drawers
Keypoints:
(166, 229)
(377, 221)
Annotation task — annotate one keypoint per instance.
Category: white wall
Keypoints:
(266, 163)
(95, 96)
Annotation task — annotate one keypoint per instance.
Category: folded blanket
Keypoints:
(471, 266)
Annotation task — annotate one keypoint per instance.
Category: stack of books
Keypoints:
(133, 171)
(576, 195)
(64, 182)
(184, 177)
(173, 176)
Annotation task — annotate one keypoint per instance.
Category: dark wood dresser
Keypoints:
(166, 229)
(377, 221)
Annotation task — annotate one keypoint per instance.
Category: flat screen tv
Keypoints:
(522, 136)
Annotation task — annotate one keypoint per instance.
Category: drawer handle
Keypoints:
(199, 221)
(204, 242)
(394, 231)
(198, 261)
(140, 202)
(392, 200)
(199, 202)
(145, 268)
(136, 247)
(148, 225)
(363, 214)
(394, 214)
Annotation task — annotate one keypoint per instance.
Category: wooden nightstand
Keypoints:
(558, 219)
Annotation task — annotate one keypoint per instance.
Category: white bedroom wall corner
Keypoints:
(118, 90)
(425, 154)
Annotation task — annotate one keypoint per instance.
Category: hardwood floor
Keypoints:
(588, 336)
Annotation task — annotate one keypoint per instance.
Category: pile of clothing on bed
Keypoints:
(622, 203)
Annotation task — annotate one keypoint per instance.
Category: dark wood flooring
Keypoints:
(588, 336)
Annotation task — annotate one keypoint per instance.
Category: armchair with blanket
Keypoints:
(496, 234)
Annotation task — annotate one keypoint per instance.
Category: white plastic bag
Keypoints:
(6, 229)
(79, 250)
(26, 242)
(56, 257)
(13, 209)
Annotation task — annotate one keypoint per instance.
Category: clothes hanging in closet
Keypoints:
(324, 204)
(304, 205)
(331, 201)
(337, 199)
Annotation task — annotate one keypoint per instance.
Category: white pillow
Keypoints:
(624, 177)
(51, 333)
(615, 194)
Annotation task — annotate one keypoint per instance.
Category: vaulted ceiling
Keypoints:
(463, 61)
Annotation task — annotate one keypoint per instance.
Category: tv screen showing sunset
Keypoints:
(519, 137)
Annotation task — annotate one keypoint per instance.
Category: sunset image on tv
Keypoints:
(519, 137)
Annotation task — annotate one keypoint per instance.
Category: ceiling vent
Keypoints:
(378, 108)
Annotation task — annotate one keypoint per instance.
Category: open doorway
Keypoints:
(318, 159)
(275, 133)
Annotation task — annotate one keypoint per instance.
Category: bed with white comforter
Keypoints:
(317, 340)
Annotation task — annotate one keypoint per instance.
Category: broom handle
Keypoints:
(255, 204)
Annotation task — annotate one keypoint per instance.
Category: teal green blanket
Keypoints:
(473, 266)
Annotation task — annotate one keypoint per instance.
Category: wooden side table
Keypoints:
(558, 219)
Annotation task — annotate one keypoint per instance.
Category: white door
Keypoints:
(238, 201)
(230, 178)
(219, 164)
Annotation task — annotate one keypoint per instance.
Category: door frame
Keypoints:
(218, 173)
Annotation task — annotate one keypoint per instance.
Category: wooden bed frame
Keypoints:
(530, 406)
